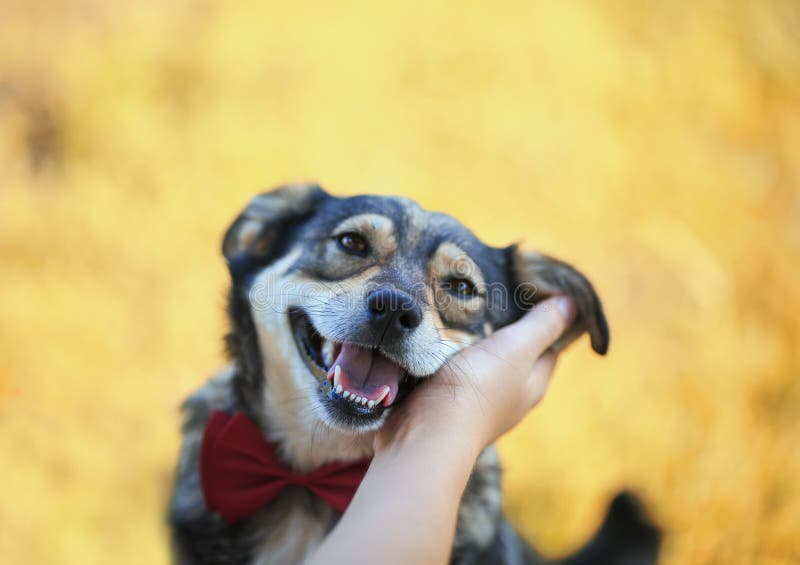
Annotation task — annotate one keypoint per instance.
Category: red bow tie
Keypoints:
(240, 471)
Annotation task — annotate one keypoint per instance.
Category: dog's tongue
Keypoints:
(366, 373)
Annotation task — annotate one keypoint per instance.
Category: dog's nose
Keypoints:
(394, 310)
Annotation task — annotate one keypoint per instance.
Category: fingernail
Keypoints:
(566, 306)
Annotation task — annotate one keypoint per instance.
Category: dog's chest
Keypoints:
(291, 528)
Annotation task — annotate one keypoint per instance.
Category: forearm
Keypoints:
(412, 492)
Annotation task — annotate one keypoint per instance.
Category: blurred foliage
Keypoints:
(654, 145)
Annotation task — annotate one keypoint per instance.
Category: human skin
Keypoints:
(406, 507)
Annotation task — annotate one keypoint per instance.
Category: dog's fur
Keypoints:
(285, 253)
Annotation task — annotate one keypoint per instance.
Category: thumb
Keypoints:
(539, 328)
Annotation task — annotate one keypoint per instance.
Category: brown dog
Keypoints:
(338, 308)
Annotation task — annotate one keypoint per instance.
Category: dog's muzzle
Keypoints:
(360, 382)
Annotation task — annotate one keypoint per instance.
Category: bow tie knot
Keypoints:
(240, 470)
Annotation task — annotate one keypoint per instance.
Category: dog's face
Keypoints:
(355, 300)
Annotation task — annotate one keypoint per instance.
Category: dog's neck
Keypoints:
(304, 441)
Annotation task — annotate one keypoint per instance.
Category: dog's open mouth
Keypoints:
(358, 380)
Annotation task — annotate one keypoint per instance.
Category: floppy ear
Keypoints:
(537, 277)
(256, 235)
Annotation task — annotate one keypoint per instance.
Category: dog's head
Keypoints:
(355, 300)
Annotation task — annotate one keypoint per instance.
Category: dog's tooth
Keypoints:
(327, 352)
(339, 389)
(356, 399)
(337, 376)
(346, 393)
(370, 403)
(383, 394)
(363, 401)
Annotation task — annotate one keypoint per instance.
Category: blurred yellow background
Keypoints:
(654, 145)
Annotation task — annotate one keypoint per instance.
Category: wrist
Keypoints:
(460, 440)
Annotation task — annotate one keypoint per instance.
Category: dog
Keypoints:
(338, 308)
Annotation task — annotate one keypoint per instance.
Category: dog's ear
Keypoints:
(255, 236)
(537, 277)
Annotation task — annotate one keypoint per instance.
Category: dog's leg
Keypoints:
(198, 537)
(479, 514)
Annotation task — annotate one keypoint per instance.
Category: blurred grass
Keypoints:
(654, 145)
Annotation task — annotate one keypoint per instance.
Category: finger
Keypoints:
(539, 328)
(540, 375)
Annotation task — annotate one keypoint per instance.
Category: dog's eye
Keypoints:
(352, 243)
(461, 287)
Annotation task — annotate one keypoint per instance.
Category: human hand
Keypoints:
(486, 388)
